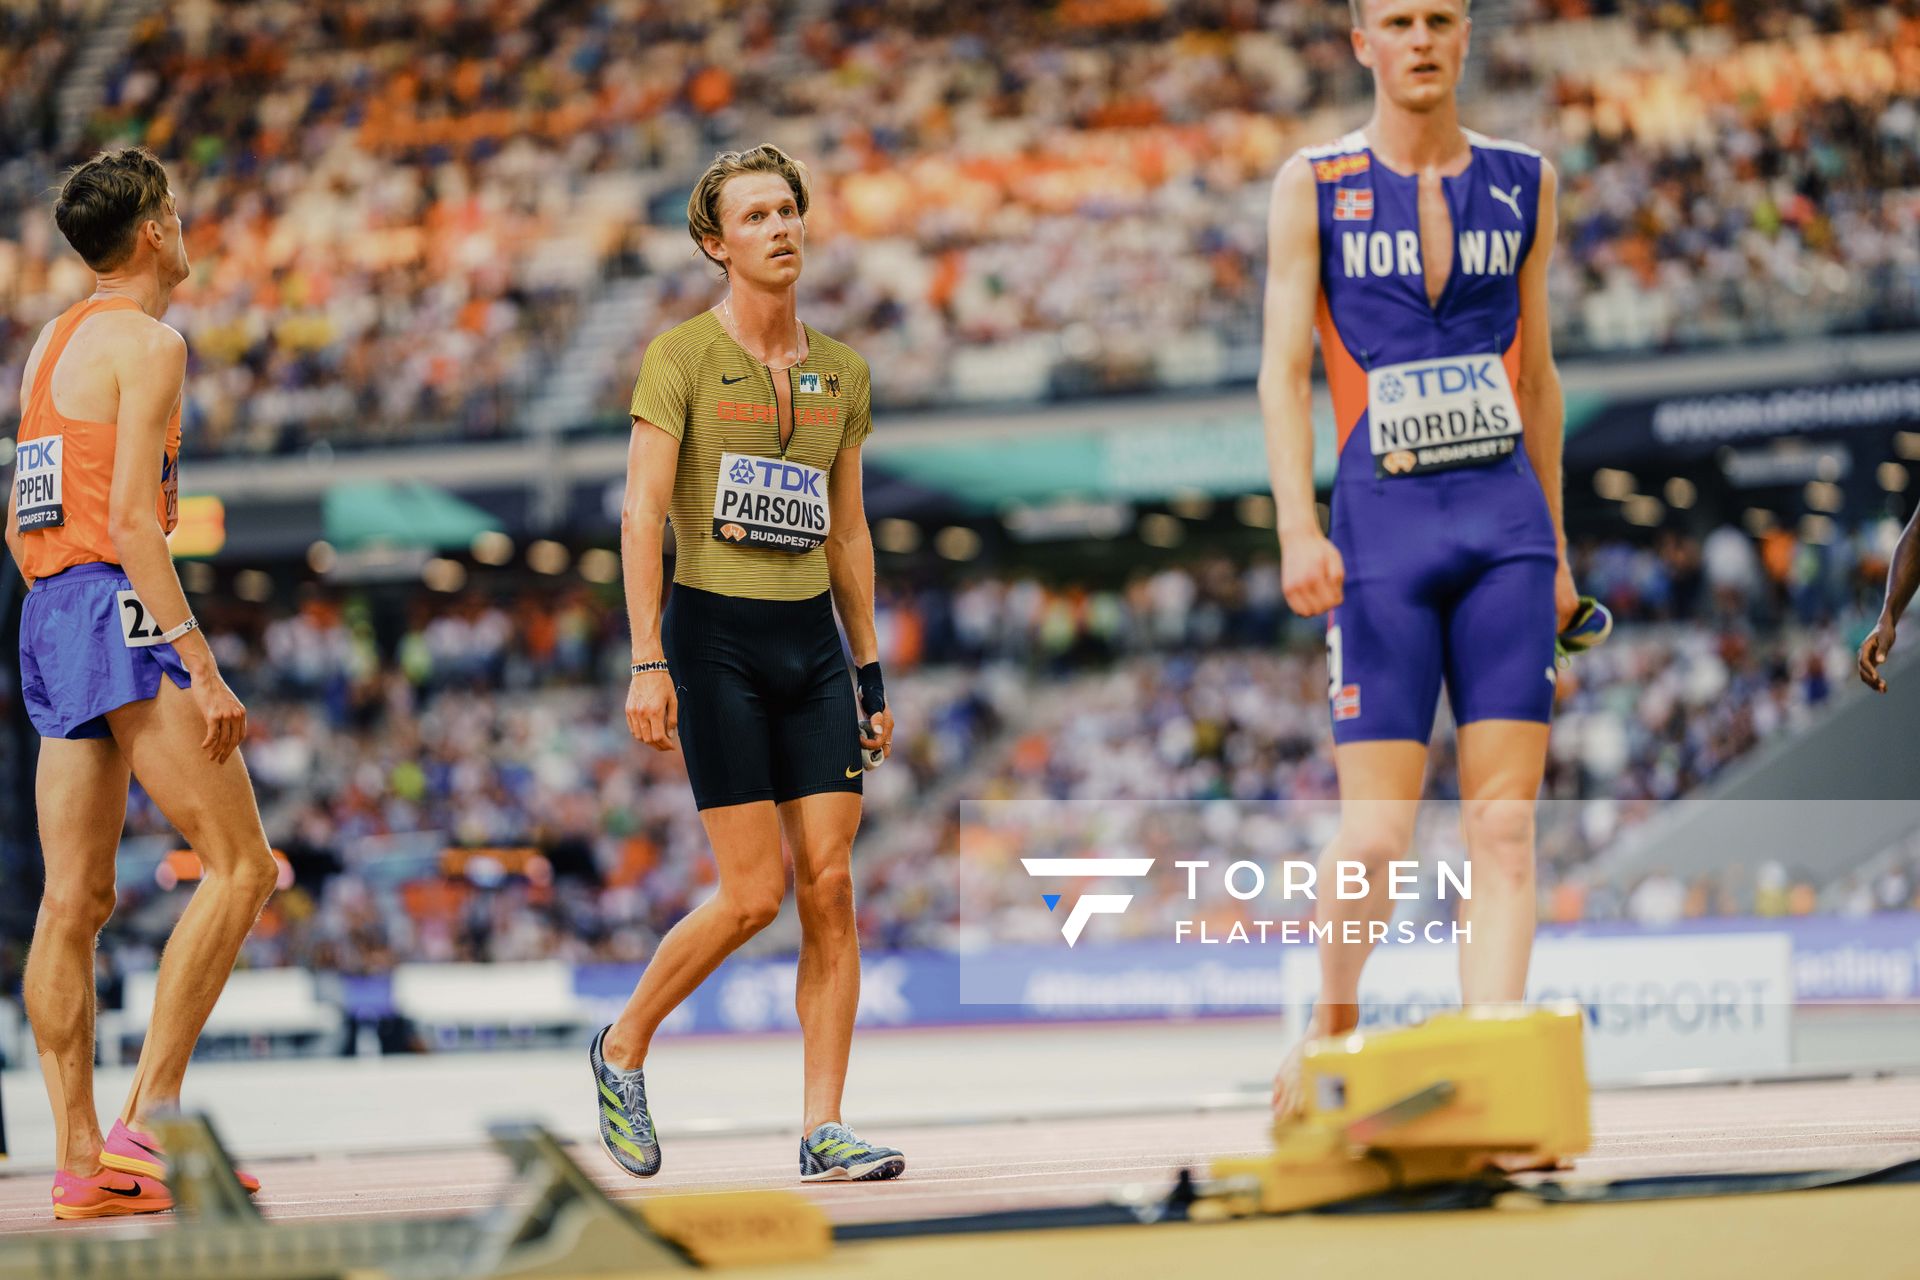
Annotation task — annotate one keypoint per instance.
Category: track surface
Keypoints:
(980, 1167)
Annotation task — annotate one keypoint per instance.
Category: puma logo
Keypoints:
(1510, 199)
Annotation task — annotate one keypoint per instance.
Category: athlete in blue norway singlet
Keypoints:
(1448, 543)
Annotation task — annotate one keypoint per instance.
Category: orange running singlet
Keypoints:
(64, 475)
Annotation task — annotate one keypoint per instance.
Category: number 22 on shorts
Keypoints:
(137, 626)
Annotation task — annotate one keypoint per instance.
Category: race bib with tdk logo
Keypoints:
(770, 502)
(36, 491)
(1434, 415)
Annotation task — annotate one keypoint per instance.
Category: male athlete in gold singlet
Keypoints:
(747, 427)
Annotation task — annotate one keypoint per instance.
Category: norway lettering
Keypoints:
(1397, 253)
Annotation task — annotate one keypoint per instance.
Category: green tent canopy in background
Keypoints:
(413, 514)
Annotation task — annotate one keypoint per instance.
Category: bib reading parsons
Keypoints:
(770, 502)
(1434, 415)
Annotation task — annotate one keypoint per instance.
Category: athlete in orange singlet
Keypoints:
(118, 679)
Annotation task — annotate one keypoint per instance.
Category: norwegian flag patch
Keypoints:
(1346, 703)
(1353, 204)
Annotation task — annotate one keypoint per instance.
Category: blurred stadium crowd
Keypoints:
(454, 219)
(453, 779)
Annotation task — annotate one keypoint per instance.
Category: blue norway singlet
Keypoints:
(1448, 543)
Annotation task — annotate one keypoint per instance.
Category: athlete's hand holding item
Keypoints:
(747, 427)
(118, 679)
(1419, 252)
(1903, 578)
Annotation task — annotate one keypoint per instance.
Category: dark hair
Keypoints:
(703, 206)
(103, 202)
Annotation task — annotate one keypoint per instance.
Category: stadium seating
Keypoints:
(409, 234)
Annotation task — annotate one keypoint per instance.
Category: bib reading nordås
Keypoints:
(1435, 415)
(770, 502)
(36, 485)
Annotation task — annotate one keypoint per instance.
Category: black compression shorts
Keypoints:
(766, 705)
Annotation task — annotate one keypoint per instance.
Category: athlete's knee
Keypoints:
(1371, 844)
(1500, 837)
(828, 892)
(255, 874)
(85, 907)
(749, 910)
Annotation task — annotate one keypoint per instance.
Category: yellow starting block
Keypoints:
(1416, 1106)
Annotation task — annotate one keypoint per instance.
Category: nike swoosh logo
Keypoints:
(854, 773)
(143, 1146)
(727, 382)
(133, 1190)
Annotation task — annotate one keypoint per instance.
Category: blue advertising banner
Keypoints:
(1835, 960)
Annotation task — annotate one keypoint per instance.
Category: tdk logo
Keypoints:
(35, 455)
(1447, 379)
(1088, 904)
(783, 476)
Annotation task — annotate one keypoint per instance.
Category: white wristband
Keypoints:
(191, 624)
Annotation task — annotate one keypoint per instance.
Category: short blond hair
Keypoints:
(703, 206)
(1358, 8)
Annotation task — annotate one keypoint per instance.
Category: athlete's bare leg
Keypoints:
(820, 830)
(753, 881)
(212, 806)
(1380, 786)
(81, 791)
(1502, 763)
(1501, 766)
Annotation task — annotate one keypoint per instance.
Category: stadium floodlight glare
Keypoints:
(443, 575)
(956, 542)
(1644, 510)
(897, 536)
(253, 586)
(1818, 530)
(1613, 484)
(1191, 504)
(492, 547)
(1823, 495)
(1158, 529)
(548, 557)
(600, 566)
